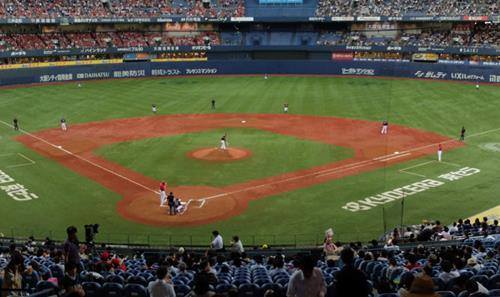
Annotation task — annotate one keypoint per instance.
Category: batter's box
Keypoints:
(430, 168)
(15, 160)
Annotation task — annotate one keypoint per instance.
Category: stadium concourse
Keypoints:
(426, 260)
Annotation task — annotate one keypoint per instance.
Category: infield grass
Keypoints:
(67, 198)
(272, 154)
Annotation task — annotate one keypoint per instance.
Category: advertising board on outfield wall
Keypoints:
(473, 73)
(172, 19)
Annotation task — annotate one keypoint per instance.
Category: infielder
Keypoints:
(385, 127)
(64, 127)
(440, 152)
(154, 108)
(285, 108)
(223, 142)
(163, 196)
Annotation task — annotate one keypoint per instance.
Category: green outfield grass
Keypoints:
(67, 198)
(272, 154)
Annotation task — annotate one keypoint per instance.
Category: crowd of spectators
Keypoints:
(73, 269)
(474, 36)
(11, 42)
(120, 8)
(406, 7)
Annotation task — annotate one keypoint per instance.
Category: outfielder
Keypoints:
(163, 196)
(285, 108)
(385, 127)
(440, 152)
(154, 108)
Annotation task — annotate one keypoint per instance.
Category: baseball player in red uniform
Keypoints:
(440, 152)
(163, 196)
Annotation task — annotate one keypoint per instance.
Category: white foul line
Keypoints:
(81, 158)
(317, 173)
(344, 167)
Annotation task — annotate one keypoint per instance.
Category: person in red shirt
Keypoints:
(163, 196)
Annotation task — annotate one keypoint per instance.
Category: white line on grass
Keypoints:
(29, 163)
(318, 173)
(81, 158)
(344, 167)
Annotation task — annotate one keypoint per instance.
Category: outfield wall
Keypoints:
(474, 73)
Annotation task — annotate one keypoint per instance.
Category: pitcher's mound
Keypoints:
(219, 155)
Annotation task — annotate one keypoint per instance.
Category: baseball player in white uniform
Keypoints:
(440, 152)
(64, 127)
(385, 127)
(223, 142)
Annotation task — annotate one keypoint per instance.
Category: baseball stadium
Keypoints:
(249, 148)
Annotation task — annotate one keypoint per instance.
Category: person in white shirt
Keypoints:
(237, 246)
(218, 242)
(308, 281)
(162, 287)
(448, 272)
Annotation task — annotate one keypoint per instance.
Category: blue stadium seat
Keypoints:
(92, 289)
(275, 287)
(46, 285)
(182, 290)
(135, 290)
(30, 281)
(494, 282)
(330, 290)
(134, 279)
(446, 293)
(56, 271)
(439, 284)
(115, 279)
(112, 290)
(248, 290)
(481, 279)
(223, 288)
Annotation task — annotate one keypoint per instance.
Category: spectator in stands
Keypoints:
(71, 247)
(422, 286)
(210, 272)
(351, 282)
(237, 245)
(162, 286)
(405, 283)
(13, 275)
(472, 263)
(448, 272)
(217, 243)
(71, 282)
(476, 289)
(393, 266)
(330, 249)
(307, 281)
(201, 287)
